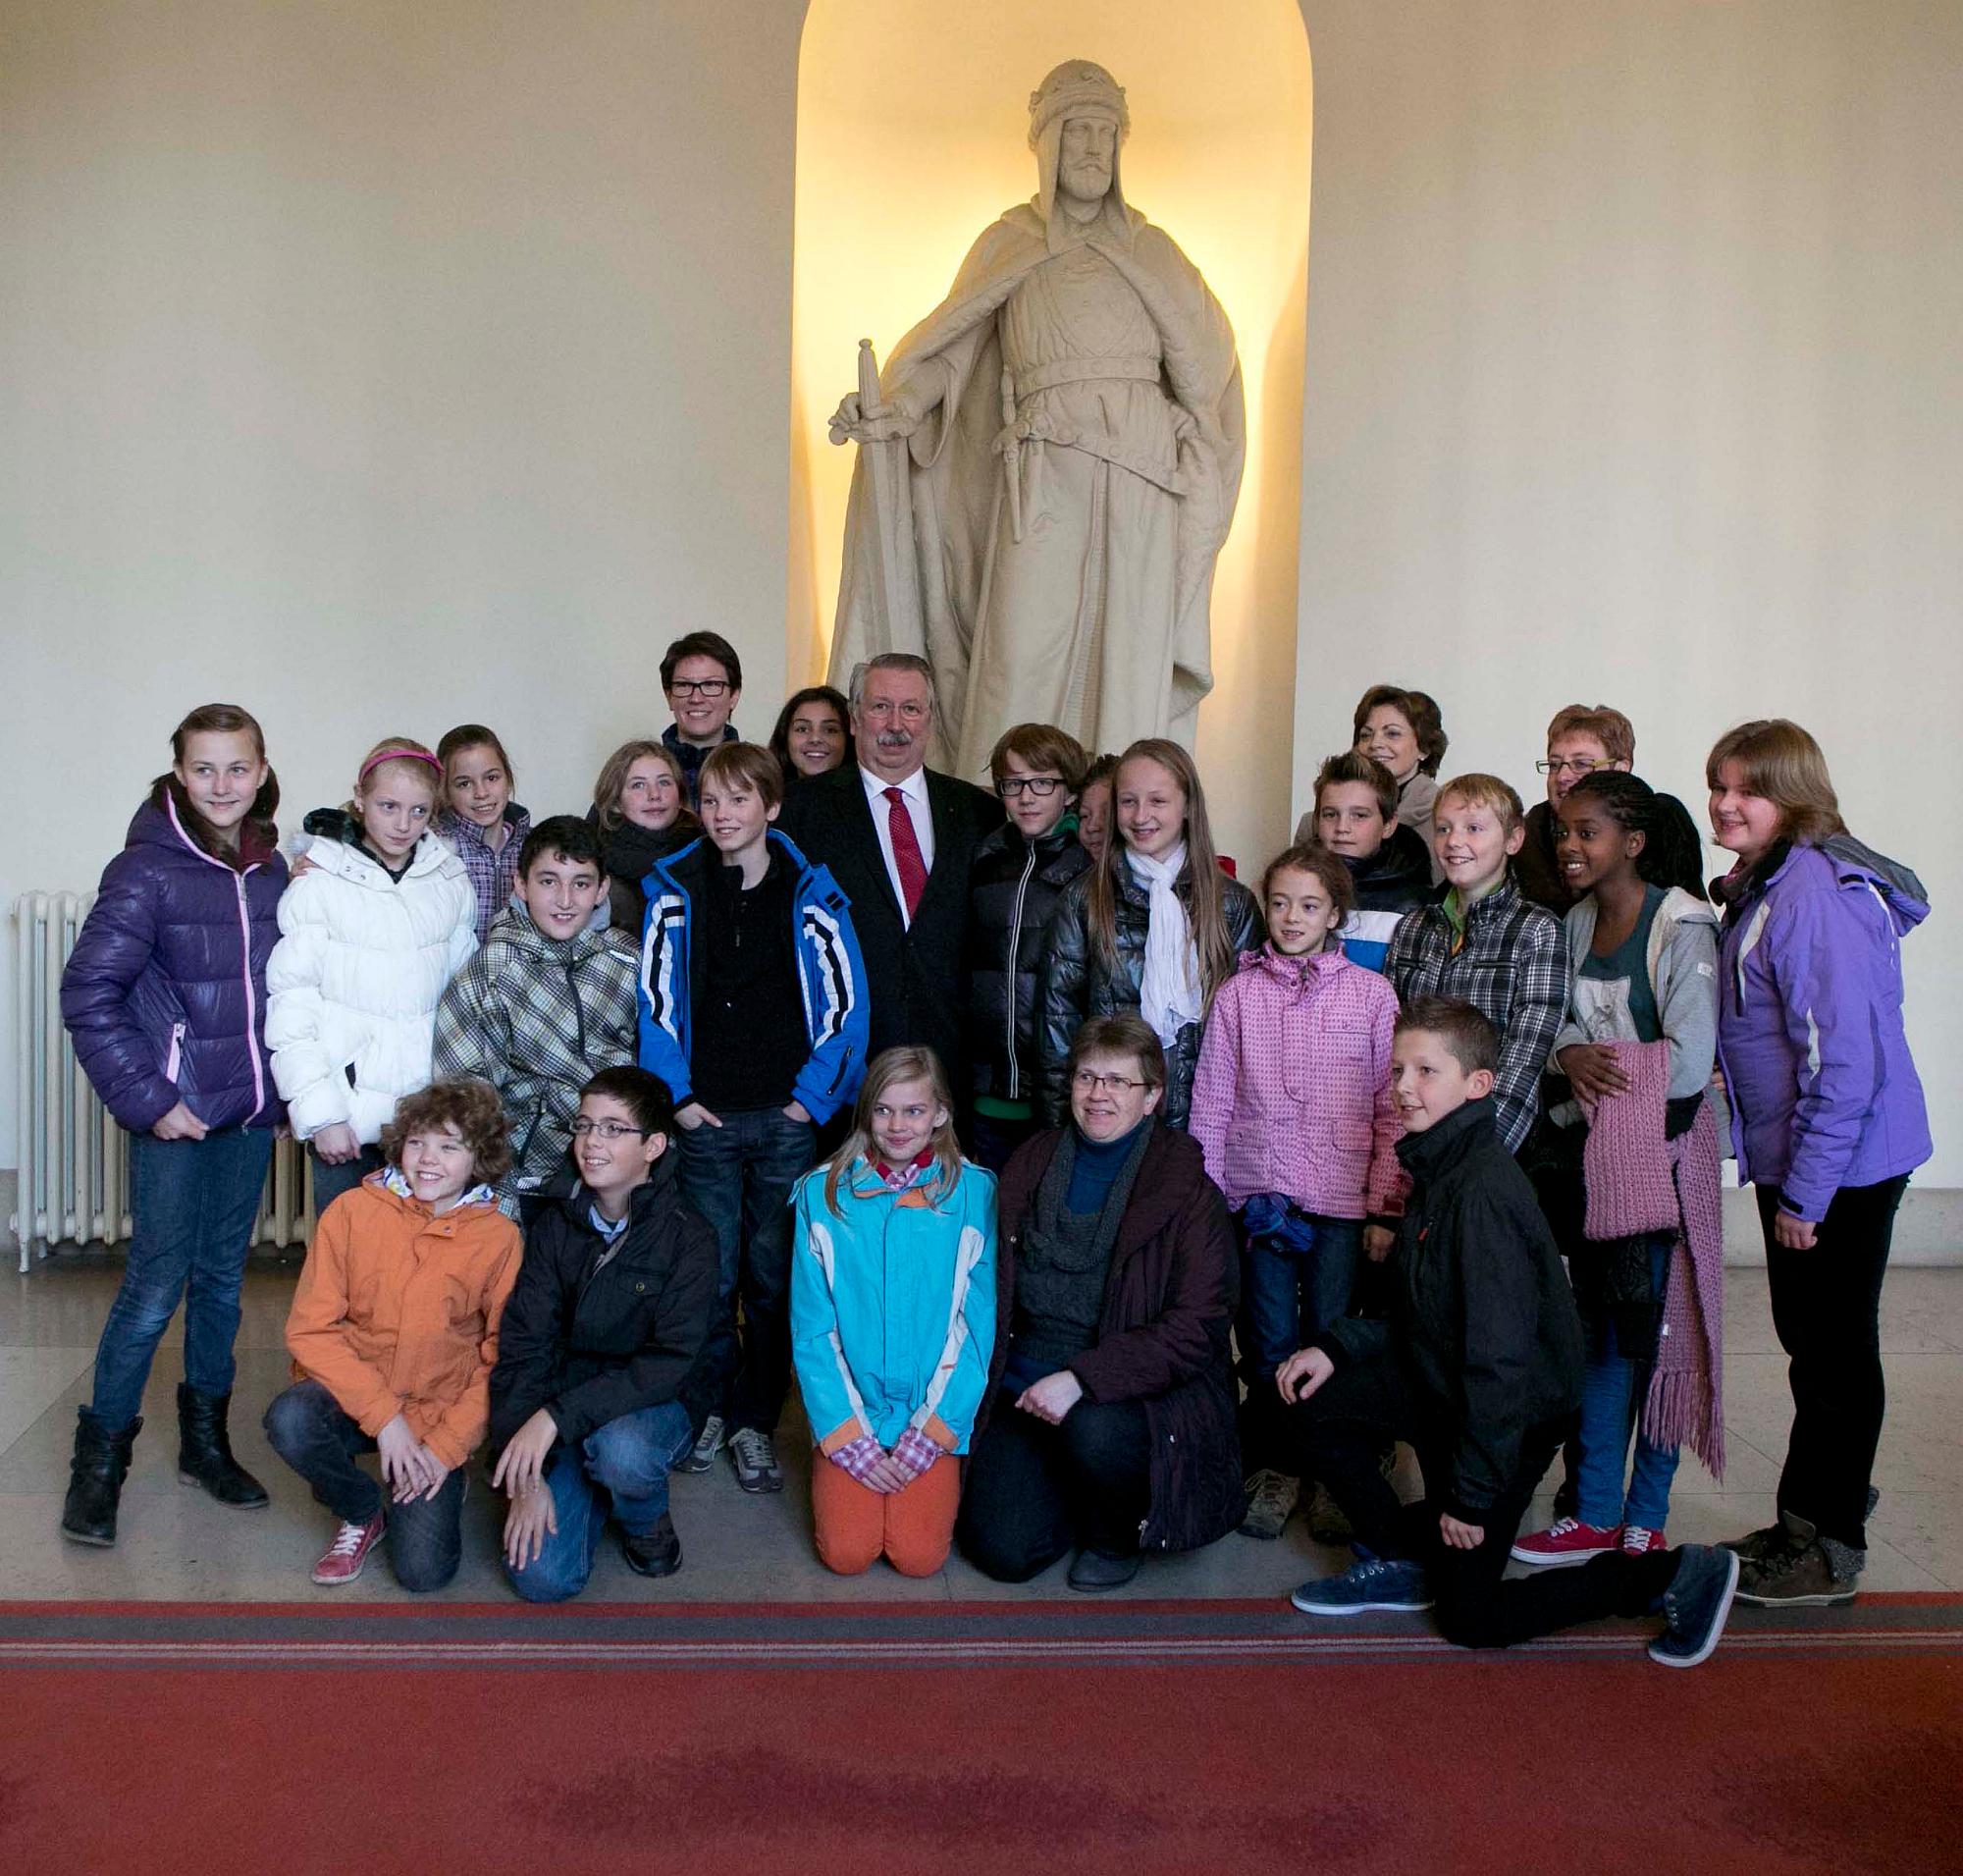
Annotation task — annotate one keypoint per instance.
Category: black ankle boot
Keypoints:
(204, 1451)
(96, 1473)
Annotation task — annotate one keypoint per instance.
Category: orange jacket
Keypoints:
(396, 1312)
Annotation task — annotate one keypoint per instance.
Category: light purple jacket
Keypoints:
(1821, 1088)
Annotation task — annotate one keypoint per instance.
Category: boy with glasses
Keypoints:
(1020, 873)
(703, 679)
(1582, 739)
(605, 1321)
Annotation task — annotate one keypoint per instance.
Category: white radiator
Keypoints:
(74, 1160)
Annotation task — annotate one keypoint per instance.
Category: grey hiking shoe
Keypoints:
(1696, 1605)
(1801, 1574)
(1328, 1522)
(756, 1460)
(1271, 1500)
(707, 1444)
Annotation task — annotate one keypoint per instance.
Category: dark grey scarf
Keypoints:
(1061, 1265)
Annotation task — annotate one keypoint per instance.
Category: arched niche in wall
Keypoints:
(912, 128)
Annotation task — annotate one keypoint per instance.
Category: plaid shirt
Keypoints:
(537, 1019)
(1512, 966)
(493, 874)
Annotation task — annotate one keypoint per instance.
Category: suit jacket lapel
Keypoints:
(941, 801)
(866, 836)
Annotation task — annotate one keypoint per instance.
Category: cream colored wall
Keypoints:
(1633, 376)
(380, 367)
(906, 155)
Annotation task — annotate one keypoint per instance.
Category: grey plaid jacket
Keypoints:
(536, 1018)
(1512, 966)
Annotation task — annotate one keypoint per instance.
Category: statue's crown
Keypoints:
(1077, 88)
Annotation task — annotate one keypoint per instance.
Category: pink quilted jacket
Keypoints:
(1293, 1092)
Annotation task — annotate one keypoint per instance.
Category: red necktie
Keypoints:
(906, 851)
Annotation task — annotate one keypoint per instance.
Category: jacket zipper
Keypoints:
(251, 1001)
(1014, 960)
(578, 1008)
(174, 1059)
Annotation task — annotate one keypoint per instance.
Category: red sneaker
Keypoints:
(1567, 1541)
(343, 1559)
(1639, 1540)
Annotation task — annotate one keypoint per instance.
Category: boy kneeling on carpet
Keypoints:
(1479, 1367)
(609, 1314)
(393, 1331)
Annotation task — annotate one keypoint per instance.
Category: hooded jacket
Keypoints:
(354, 981)
(1077, 984)
(1169, 1301)
(1824, 1093)
(397, 1312)
(1482, 1319)
(1293, 1092)
(831, 978)
(893, 1307)
(165, 993)
(538, 1018)
(593, 1332)
(1681, 959)
(1012, 892)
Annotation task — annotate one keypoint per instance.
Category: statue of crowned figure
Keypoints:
(1049, 462)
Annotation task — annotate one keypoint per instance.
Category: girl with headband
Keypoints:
(374, 926)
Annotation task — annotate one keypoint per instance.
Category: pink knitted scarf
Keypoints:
(1637, 1181)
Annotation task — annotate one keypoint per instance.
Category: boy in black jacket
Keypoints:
(607, 1316)
(1479, 1366)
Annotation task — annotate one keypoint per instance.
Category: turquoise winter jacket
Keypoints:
(893, 1307)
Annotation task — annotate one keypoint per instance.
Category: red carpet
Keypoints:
(991, 1738)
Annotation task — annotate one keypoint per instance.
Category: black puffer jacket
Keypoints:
(1482, 1318)
(1013, 890)
(1075, 984)
(590, 1342)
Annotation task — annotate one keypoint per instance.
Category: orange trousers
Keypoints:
(911, 1528)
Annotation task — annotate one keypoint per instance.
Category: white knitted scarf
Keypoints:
(1170, 994)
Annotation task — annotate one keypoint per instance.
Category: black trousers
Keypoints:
(1826, 1306)
(1032, 1490)
(1342, 1430)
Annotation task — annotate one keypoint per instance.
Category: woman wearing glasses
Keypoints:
(703, 679)
(1108, 1422)
(1020, 873)
(1583, 739)
(610, 1311)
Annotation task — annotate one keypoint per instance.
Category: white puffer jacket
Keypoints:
(354, 981)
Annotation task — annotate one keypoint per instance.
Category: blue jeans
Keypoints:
(312, 1433)
(1287, 1300)
(628, 1460)
(739, 1176)
(193, 1202)
(1609, 1407)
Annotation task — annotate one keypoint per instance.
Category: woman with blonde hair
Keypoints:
(1155, 926)
(1827, 1120)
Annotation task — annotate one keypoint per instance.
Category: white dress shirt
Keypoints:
(913, 788)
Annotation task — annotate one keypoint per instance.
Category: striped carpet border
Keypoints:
(898, 1637)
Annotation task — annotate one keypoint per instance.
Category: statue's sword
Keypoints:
(902, 626)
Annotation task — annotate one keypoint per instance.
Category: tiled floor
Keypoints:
(177, 1544)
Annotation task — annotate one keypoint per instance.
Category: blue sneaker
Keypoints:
(1376, 1583)
(1695, 1605)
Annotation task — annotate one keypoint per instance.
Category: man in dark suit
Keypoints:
(900, 839)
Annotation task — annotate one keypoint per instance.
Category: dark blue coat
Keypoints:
(165, 994)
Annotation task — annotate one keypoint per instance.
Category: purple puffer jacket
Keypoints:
(1823, 1090)
(165, 995)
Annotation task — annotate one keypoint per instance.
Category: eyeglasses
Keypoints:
(1086, 1083)
(1571, 765)
(709, 687)
(880, 709)
(1042, 786)
(607, 1129)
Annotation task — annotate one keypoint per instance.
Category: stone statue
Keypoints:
(1049, 462)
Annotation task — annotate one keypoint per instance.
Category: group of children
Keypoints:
(600, 1162)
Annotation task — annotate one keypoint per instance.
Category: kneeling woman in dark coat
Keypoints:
(1109, 1419)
